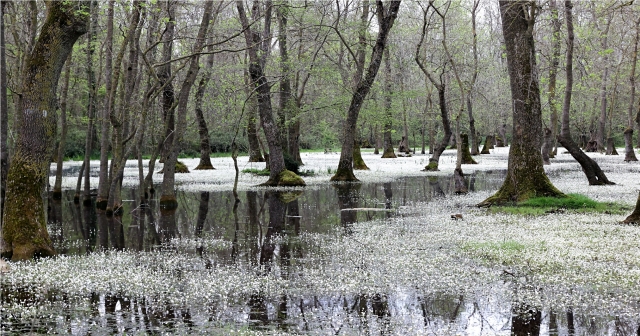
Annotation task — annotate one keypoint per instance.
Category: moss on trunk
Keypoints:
(358, 161)
(344, 175)
(432, 166)
(466, 153)
(25, 227)
(286, 178)
(488, 144)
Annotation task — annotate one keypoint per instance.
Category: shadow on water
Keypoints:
(262, 229)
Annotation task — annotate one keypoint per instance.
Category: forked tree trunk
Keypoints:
(591, 169)
(525, 175)
(629, 153)
(24, 227)
(386, 19)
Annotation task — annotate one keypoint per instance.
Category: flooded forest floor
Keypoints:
(383, 256)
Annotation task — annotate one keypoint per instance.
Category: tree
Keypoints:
(4, 111)
(387, 151)
(630, 155)
(525, 175)
(547, 149)
(279, 175)
(386, 18)
(592, 170)
(24, 227)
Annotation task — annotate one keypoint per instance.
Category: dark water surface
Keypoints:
(250, 229)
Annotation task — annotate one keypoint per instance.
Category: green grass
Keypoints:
(573, 202)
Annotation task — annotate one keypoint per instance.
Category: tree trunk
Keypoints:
(466, 154)
(488, 143)
(4, 118)
(203, 130)
(386, 19)
(168, 199)
(91, 104)
(387, 152)
(603, 90)
(279, 175)
(591, 169)
(611, 147)
(444, 114)
(553, 74)
(629, 153)
(164, 74)
(358, 161)
(632, 83)
(634, 217)
(24, 227)
(57, 185)
(546, 144)
(472, 128)
(525, 175)
(255, 154)
(104, 182)
(285, 82)
(525, 320)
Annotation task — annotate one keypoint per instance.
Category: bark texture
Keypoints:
(203, 130)
(24, 227)
(525, 175)
(466, 154)
(488, 144)
(387, 152)
(611, 147)
(546, 146)
(4, 118)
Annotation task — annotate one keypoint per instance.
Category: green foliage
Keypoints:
(256, 171)
(574, 202)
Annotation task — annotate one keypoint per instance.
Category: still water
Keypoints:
(258, 230)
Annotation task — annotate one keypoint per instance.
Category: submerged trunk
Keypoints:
(611, 147)
(488, 144)
(91, 104)
(525, 175)
(591, 169)
(24, 227)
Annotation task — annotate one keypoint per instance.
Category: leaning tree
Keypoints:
(24, 227)
(525, 174)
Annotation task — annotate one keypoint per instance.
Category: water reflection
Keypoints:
(262, 229)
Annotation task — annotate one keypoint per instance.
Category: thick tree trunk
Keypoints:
(358, 161)
(57, 185)
(168, 199)
(255, 154)
(387, 152)
(345, 165)
(104, 182)
(24, 227)
(525, 175)
(591, 169)
(634, 217)
(629, 153)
